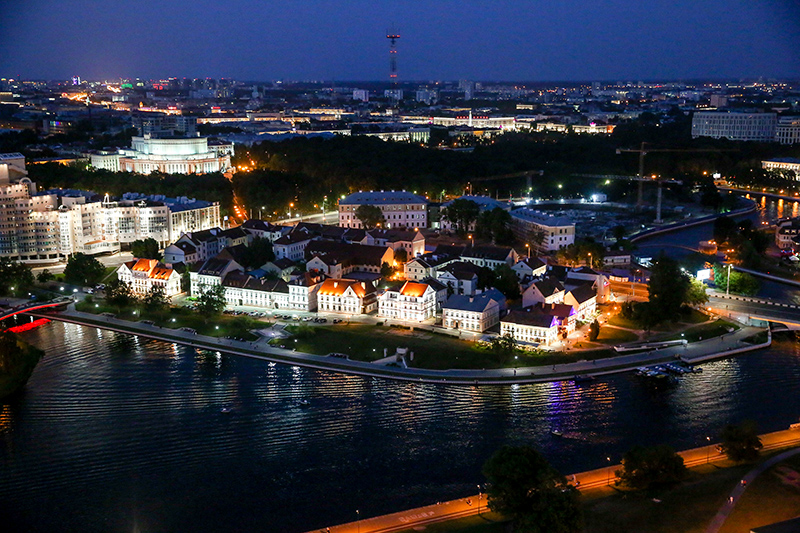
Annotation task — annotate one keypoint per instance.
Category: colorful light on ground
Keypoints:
(29, 326)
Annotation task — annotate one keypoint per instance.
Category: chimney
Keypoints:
(364, 285)
(335, 284)
(471, 299)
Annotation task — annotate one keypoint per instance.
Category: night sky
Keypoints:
(520, 40)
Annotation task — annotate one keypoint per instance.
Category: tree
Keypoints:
(119, 293)
(506, 282)
(486, 278)
(739, 283)
(696, 293)
(504, 345)
(211, 300)
(667, 288)
(17, 361)
(400, 256)
(370, 216)
(643, 467)
(14, 276)
(619, 232)
(258, 253)
(495, 225)
(186, 281)
(724, 229)
(156, 298)
(145, 249)
(594, 330)
(461, 213)
(83, 269)
(741, 442)
(44, 276)
(523, 486)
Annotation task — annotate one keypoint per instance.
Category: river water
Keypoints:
(116, 433)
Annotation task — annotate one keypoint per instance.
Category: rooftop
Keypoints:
(382, 198)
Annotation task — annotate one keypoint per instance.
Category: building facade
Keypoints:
(345, 296)
(543, 232)
(142, 275)
(735, 126)
(413, 302)
(400, 209)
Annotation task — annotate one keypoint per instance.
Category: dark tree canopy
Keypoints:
(741, 442)
(523, 485)
(14, 274)
(17, 361)
(495, 225)
(145, 249)
(461, 213)
(667, 289)
(506, 282)
(155, 299)
(258, 253)
(646, 467)
(119, 293)
(370, 216)
(211, 300)
(83, 269)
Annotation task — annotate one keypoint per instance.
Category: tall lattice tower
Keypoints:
(393, 36)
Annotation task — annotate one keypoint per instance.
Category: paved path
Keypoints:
(718, 347)
(737, 492)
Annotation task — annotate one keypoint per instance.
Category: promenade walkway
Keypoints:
(718, 347)
(593, 479)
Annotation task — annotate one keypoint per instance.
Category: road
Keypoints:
(594, 479)
(107, 261)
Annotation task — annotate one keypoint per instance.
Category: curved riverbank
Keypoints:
(751, 208)
(716, 348)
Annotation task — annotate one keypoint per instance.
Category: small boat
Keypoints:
(225, 410)
(556, 433)
(583, 378)
(303, 402)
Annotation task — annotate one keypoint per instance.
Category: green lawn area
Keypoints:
(687, 507)
(612, 335)
(431, 350)
(768, 499)
(692, 317)
(179, 317)
(703, 331)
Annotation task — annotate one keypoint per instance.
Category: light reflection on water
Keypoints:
(107, 418)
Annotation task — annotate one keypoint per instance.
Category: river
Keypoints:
(117, 433)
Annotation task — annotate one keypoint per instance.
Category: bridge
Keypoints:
(58, 304)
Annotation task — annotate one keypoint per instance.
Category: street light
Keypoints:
(528, 246)
(728, 288)
(708, 450)
(608, 477)
(479, 500)
(472, 241)
(358, 520)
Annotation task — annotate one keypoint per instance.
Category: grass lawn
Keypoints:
(687, 507)
(611, 335)
(692, 317)
(768, 499)
(180, 317)
(431, 350)
(703, 331)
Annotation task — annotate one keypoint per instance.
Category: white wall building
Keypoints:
(346, 296)
(527, 224)
(472, 313)
(782, 163)
(173, 156)
(735, 126)
(144, 274)
(414, 302)
(401, 209)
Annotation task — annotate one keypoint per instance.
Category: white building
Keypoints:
(530, 327)
(473, 313)
(105, 159)
(782, 163)
(556, 232)
(788, 130)
(144, 274)
(400, 209)
(583, 300)
(545, 291)
(346, 296)
(735, 126)
(414, 302)
(171, 155)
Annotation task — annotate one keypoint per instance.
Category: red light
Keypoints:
(29, 326)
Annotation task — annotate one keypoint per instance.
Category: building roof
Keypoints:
(534, 263)
(413, 289)
(292, 238)
(332, 252)
(541, 218)
(214, 266)
(382, 198)
(583, 293)
(153, 268)
(394, 235)
(493, 253)
(337, 287)
(486, 203)
(557, 310)
(549, 286)
(477, 303)
(435, 284)
(462, 269)
(528, 318)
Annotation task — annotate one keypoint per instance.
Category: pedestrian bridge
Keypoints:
(55, 305)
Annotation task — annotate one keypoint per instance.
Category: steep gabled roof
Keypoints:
(528, 318)
(583, 293)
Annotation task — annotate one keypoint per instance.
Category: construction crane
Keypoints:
(643, 151)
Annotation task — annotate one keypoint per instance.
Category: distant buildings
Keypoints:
(173, 156)
(737, 126)
(782, 163)
(48, 226)
(544, 232)
(400, 209)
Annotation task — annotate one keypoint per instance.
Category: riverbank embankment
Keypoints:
(719, 347)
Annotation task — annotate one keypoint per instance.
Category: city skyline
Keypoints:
(508, 41)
